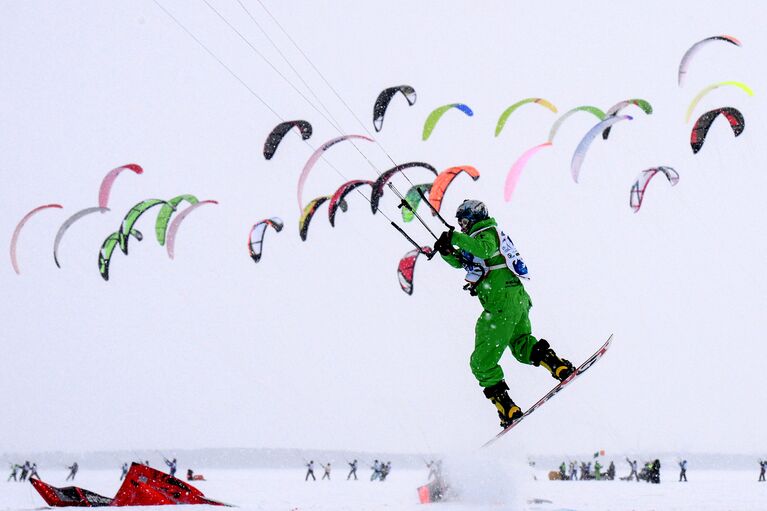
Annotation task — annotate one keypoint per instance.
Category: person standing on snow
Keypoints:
(124, 471)
(310, 471)
(72, 471)
(14, 469)
(33, 472)
(352, 470)
(376, 471)
(633, 473)
(171, 465)
(683, 471)
(493, 270)
(597, 470)
(762, 469)
(24, 471)
(327, 471)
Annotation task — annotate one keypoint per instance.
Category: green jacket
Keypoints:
(483, 245)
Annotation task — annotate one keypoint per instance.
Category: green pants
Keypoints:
(504, 323)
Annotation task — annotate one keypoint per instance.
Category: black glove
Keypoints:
(444, 244)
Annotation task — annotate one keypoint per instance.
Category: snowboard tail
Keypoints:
(579, 371)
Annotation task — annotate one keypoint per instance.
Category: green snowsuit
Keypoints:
(504, 322)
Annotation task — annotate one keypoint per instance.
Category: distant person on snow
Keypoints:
(573, 471)
(563, 471)
(24, 471)
(611, 471)
(762, 469)
(14, 469)
(655, 472)
(493, 270)
(376, 471)
(124, 471)
(683, 471)
(72, 471)
(171, 465)
(385, 469)
(432, 470)
(597, 470)
(310, 471)
(352, 470)
(633, 465)
(327, 471)
(191, 476)
(33, 472)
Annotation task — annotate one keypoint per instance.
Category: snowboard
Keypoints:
(579, 371)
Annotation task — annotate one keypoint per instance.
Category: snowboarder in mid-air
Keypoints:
(493, 270)
(72, 471)
(352, 470)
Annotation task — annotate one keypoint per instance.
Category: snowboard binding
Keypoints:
(508, 411)
(543, 355)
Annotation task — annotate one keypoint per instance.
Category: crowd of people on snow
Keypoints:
(26, 471)
(583, 471)
(650, 471)
(380, 470)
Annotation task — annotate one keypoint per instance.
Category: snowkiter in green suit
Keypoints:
(493, 270)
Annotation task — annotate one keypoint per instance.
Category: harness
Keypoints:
(477, 269)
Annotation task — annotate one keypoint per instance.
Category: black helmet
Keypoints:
(471, 211)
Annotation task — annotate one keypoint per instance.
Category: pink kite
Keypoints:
(17, 230)
(109, 179)
(316, 155)
(176, 223)
(516, 170)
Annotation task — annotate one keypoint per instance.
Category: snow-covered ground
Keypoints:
(502, 489)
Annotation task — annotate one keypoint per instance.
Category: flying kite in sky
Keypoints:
(278, 133)
(742, 86)
(385, 97)
(413, 198)
(340, 195)
(436, 115)
(131, 218)
(106, 183)
(617, 107)
(596, 112)
(257, 233)
(108, 248)
(583, 146)
(516, 170)
(695, 48)
(316, 156)
(166, 211)
(704, 122)
(383, 179)
(443, 181)
(67, 224)
(170, 245)
(17, 231)
(406, 268)
(506, 113)
(643, 179)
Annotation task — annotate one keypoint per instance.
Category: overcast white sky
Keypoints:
(316, 346)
